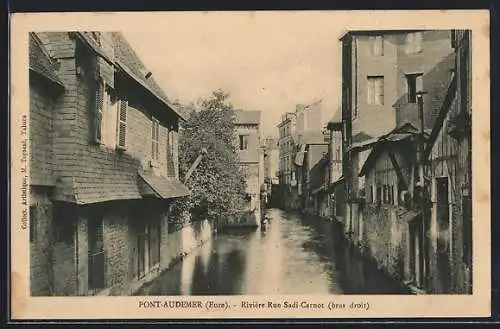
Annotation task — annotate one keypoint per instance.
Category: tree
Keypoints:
(218, 184)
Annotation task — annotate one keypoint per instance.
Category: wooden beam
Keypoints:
(395, 164)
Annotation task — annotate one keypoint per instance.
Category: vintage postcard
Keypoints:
(299, 164)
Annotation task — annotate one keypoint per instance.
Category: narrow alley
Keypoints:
(293, 254)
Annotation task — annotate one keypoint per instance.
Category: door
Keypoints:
(154, 240)
(96, 265)
(443, 230)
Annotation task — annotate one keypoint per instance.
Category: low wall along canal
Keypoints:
(293, 254)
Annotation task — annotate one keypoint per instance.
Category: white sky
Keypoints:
(266, 61)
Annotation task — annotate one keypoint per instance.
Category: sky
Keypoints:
(265, 61)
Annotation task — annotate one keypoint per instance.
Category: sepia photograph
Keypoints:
(209, 161)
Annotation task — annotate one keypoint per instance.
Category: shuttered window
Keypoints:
(98, 110)
(155, 136)
(122, 124)
(170, 153)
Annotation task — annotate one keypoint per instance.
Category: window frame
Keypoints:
(121, 124)
(155, 139)
(415, 78)
(372, 88)
(376, 45)
(242, 139)
(415, 45)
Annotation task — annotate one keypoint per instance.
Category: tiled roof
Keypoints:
(243, 117)
(162, 187)
(40, 61)
(107, 187)
(125, 55)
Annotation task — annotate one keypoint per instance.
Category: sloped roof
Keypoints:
(127, 58)
(243, 117)
(40, 61)
(161, 186)
(396, 135)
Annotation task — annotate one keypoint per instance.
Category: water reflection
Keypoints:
(293, 254)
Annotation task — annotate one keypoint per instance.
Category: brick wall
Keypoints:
(116, 250)
(40, 253)
(41, 107)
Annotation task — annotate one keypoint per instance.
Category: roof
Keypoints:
(285, 118)
(243, 117)
(112, 185)
(150, 184)
(396, 135)
(40, 61)
(127, 59)
(109, 185)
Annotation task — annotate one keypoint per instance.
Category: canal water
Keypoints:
(293, 254)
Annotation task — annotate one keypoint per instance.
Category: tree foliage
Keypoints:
(218, 184)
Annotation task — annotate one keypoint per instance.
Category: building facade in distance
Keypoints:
(247, 125)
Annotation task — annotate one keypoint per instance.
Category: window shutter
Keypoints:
(98, 109)
(122, 124)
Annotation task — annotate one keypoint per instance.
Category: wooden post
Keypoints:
(422, 185)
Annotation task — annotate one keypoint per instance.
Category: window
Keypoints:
(376, 90)
(155, 136)
(384, 193)
(378, 197)
(33, 224)
(243, 142)
(99, 98)
(170, 153)
(413, 43)
(414, 85)
(122, 124)
(376, 45)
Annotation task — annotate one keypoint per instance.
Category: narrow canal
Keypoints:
(294, 254)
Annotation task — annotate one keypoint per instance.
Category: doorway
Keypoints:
(96, 261)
